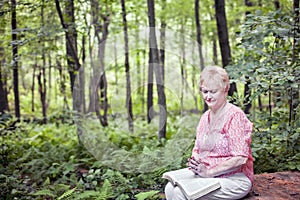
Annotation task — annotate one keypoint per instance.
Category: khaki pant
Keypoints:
(234, 187)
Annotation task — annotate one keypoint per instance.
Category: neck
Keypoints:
(220, 109)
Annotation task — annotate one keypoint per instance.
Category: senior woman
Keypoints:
(222, 146)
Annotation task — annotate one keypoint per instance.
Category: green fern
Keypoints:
(44, 192)
(153, 194)
(106, 191)
(67, 194)
(90, 194)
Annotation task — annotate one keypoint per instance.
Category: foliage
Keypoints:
(52, 162)
(147, 195)
(56, 167)
(46, 161)
(267, 62)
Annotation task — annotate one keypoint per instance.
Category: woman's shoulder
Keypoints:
(237, 113)
(234, 109)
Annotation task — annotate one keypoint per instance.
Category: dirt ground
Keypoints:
(276, 186)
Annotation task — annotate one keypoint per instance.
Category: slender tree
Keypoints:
(199, 41)
(71, 36)
(154, 60)
(182, 61)
(3, 84)
(223, 38)
(127, 69)
(163, 38)
(277, 4)
(294, 99)
(15, 58)
(247, 90)
(199, 35)
(99, 81)
(3, 79)
(42, 74)
(71, 46)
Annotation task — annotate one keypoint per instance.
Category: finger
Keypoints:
(194, 162)
(194, 171)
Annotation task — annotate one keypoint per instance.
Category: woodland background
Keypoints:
(98, 98)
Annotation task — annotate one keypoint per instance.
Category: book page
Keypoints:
(197, 187)
(176, 175)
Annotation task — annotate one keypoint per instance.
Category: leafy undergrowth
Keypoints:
(50, 162)
(53, 162)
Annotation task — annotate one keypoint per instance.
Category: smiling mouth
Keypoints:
(208, 100)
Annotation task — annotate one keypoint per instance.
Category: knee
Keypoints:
(177, 193)
(169, 190)
(173, 193)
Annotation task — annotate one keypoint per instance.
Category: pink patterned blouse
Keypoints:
(228, 136)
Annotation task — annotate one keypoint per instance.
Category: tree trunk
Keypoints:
(99, 81)
(199, 40)
(3, 89)
(215, 51)
(127, 70)
(49, 80)
(199, 34)
(42, 73)
(214, 46)
(71, 39)
(62, 83)
(150, 88)
(294, 99)
(247, 90)
(3, 79)
(182, 62)
(82, 77)
(15, 58)
(163, 40)
(277, 4)
(139, 67)
(154, 60)
(195, 88)
(223, 38)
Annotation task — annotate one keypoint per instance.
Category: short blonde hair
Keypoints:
(216, 74)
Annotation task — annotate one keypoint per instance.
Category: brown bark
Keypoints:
(163, 40)
(199, 41)
(199, 34)
(3, 81)
(223, 38)
(73, 60)
(247, 89)
(15, 58)
(294, 100)
(42, 74)
(99, 81)
(154, 61)
(3, 89)
(127, 70)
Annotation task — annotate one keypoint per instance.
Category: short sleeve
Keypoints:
(239, 135)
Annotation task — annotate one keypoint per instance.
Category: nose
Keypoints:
(209, 95)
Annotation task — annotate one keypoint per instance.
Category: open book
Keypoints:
(193, 186)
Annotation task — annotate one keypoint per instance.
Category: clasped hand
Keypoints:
(198, 167)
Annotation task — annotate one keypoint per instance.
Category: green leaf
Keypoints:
(44, 192)
(147, 195)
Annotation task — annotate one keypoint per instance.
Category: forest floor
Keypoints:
(275, 186)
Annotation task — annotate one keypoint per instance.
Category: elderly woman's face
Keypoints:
(214, 95)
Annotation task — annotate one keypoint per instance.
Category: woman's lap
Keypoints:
(234, 187)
